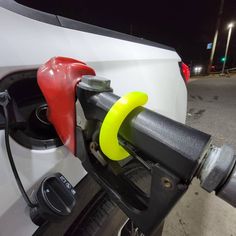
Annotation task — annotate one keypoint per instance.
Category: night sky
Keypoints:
(186, 25)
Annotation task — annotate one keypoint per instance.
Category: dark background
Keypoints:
(186, 25)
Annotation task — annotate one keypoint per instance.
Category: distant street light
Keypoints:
(215, 36)
(230, 26)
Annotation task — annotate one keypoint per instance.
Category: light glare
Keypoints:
(197, 69)
(231, 25)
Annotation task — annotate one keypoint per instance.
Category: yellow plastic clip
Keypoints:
(108, 138)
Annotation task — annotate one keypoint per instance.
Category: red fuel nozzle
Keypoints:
(57, 79)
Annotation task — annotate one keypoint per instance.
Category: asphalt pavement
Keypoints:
(211, 109)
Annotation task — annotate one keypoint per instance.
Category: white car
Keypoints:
(28, 39)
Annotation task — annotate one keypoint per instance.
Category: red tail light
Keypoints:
(185, 71)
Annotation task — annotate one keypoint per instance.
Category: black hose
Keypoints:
(12, 163)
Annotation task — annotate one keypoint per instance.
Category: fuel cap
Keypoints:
(54, 199)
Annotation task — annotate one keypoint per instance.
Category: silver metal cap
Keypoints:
(228, 191)
(95, 83)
